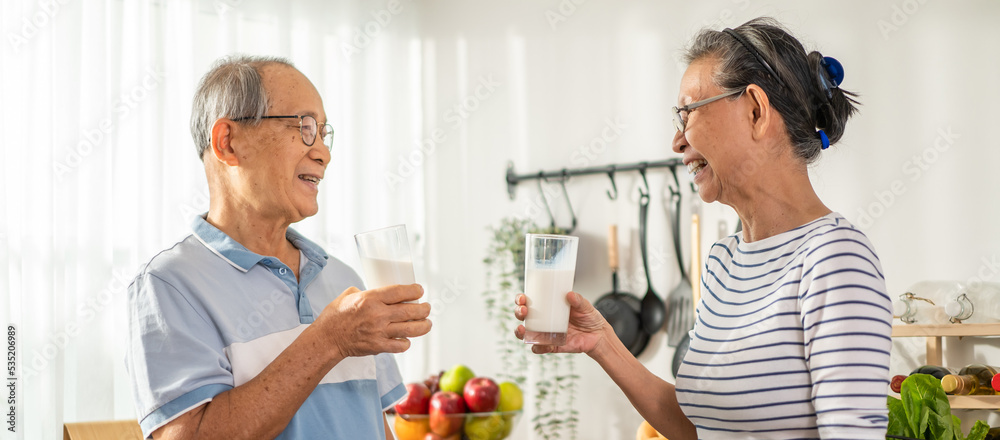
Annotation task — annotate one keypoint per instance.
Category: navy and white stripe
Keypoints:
(792, 338)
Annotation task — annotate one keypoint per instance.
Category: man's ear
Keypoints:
(222, 136)
(763, 113)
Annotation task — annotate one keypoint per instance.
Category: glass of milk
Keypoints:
(549, 267)
(385, 257)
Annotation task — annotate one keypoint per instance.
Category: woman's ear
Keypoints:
(763, 114)
(222, 147)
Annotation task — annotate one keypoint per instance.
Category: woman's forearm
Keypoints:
(653, 397)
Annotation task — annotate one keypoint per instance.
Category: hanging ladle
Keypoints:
(653, 312)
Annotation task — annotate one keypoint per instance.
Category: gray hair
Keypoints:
(233, 88)
(802, 102)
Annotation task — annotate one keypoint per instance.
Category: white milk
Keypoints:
(380, 272)
(546, 289)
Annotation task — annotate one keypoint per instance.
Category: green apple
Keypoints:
(454, 379)
(508, 426)
(511, 398)
(485, 428)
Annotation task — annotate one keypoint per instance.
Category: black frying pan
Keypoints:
(620, 309)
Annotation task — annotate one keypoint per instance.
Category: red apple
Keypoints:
(443, 404)
(417, 400)
(481, 394)
(432, 382)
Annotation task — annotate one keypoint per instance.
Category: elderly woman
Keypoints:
(793, 332)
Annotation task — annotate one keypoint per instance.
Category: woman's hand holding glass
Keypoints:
(587, 331)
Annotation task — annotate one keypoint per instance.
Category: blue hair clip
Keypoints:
(834, 71)
(822, 138)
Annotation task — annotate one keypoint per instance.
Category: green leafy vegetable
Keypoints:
(979, 431)
(897, 418)
(924, 412)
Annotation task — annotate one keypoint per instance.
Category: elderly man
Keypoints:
(240, 330)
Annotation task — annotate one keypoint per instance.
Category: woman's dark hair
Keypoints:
(801, 100)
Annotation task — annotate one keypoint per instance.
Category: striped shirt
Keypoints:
(792, 338)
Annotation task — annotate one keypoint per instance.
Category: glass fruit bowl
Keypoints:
(465, 426)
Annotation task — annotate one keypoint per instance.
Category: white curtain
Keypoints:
(99, 171)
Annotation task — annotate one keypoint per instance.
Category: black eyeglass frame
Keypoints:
(326, 127)
(679, 121)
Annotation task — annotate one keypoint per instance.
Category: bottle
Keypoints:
(934, 370)
(914, 308)
(975, 379)
(911, 310)
(974, 303)
(992, 434)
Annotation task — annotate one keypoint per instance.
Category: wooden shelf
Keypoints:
(974, 402)
(969, 402)
(934, 333)
(938, 330)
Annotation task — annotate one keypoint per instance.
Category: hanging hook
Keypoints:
(545, 200)
(675, 189)
(611, 175)
(562, 182)
(642, 172)
(677, 183)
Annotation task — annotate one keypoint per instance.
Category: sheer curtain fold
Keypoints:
(99, 171)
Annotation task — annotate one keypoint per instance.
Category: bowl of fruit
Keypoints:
(457, 405)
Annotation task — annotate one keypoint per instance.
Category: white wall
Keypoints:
(936, 72)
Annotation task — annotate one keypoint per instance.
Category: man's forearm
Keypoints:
(653, 397)
(262, 407)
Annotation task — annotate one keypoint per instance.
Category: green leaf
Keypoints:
(956, 425)
(922, 422)
(979, 431)
(897, 418)
(940, 427)
(924, 399)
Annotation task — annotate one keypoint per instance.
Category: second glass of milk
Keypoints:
(549, 268)
(385, 257)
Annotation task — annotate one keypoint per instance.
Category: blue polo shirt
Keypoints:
(207, 315)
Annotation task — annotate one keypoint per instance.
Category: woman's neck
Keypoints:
(777, 203)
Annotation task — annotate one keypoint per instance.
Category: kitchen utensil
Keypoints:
(652, 311)
(642, 337)
(678, 302)
(615, 306)
(695, 261)
(685, 342)
(680, 352)
(691, 314)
